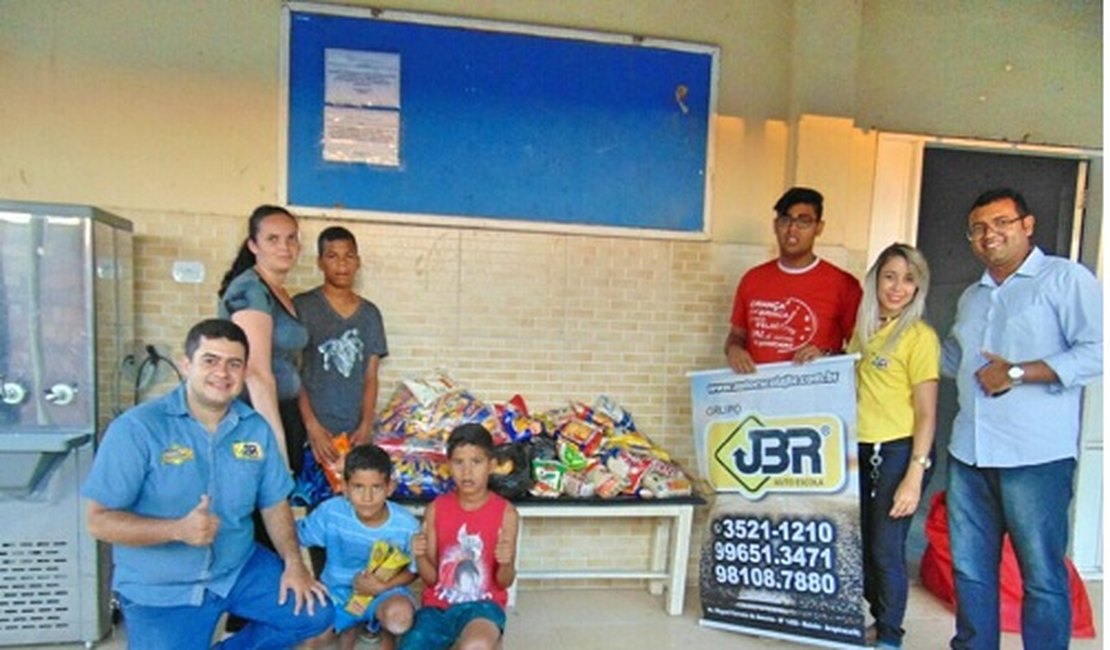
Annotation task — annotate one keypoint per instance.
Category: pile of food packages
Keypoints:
(581, 451)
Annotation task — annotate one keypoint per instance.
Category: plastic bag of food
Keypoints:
(577, 486)
(548, 476)
(429, 389)
(627, 467)
(420, 475)
(606, 484)
(316, 483)
(586, 435)
(543, 447)
(512, 471)
(421, 414)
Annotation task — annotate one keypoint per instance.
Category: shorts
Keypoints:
(345, 620)
(438, 629)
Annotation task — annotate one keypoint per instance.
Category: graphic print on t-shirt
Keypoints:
(781, 325)
(342, 352)
(462, 574)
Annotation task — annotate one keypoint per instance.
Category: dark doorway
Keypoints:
(951, 179)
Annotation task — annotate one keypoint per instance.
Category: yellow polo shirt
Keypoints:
(885, 381)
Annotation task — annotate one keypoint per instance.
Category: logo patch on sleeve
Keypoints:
(176, 455)
(246, 450)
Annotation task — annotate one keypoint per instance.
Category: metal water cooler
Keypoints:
(66, 325)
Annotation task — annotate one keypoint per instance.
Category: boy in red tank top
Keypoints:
(465, 553)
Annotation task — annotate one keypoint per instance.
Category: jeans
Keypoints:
(254, 597)
(1031, 504)
(885, 580)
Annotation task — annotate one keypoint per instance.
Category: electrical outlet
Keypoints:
(188, 272)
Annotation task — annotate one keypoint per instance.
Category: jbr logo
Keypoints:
(758, 455)
(796, 450)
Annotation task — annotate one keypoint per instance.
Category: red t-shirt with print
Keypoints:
(783, 310)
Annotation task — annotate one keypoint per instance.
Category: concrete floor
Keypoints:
(632, 619)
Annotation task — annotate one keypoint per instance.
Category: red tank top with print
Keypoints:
(465, 541)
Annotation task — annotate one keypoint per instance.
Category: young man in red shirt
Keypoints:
(796, 307)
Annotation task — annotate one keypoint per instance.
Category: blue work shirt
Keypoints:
(156, 460)
(1050, 310)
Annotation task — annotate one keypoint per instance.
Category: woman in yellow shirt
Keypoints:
(896, 379)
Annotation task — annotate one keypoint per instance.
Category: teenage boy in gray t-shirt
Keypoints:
(345, 345)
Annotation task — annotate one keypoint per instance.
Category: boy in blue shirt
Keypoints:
(348, 526)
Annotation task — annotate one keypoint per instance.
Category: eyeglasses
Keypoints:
(801, 222)
(977, 230)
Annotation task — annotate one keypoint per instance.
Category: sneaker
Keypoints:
(369, 636)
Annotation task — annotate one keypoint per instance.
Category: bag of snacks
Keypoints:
(385, 561)
(512, 471)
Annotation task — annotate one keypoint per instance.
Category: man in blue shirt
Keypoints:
(172, 488)
(1027, 337)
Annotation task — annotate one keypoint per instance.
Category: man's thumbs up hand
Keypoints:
(199, 527)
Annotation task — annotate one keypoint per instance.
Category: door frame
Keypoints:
(896, 193)
(895, 202)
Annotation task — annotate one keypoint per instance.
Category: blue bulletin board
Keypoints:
(500, 123)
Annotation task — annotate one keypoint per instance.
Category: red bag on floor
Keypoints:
(936, 575)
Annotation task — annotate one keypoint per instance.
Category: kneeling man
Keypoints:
(172, 488)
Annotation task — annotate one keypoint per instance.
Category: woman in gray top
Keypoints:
(253, 296)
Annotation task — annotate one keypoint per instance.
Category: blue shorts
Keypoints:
(438, 629)
(345, 620)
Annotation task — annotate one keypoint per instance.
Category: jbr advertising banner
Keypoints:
(783, 555)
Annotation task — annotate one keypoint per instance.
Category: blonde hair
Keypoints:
(867, 319)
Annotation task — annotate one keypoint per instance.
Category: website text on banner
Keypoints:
(783, 555)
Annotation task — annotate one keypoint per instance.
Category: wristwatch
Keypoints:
(1016, 374)
(923, 460)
